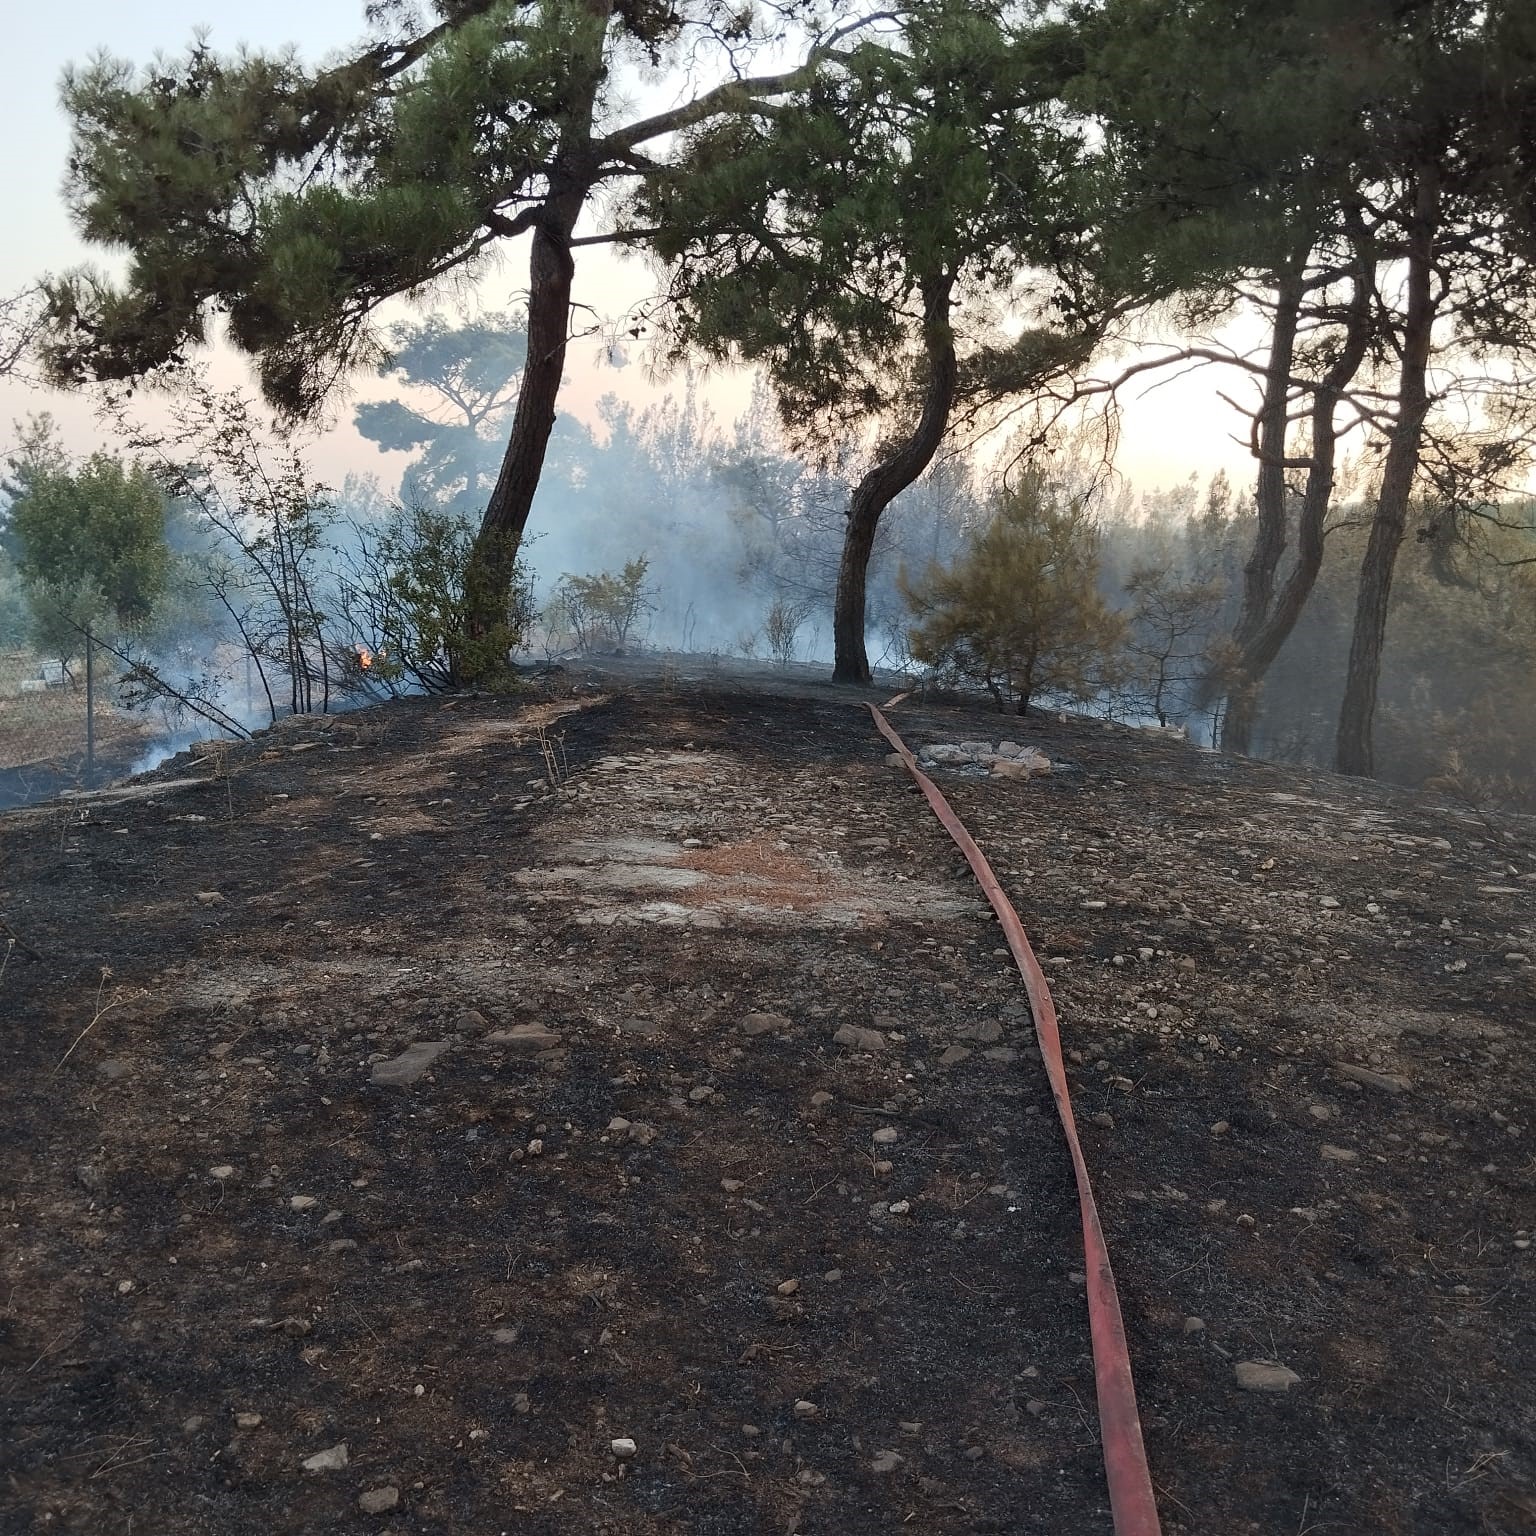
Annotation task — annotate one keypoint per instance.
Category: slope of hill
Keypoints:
(616, 1114)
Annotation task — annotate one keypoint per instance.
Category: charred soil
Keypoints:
(722, 1191)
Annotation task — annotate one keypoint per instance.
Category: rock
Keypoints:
(899, 1207)
(804, 1409)
(624, 1448)
(642, 1134)
(221, 1171)
(886, 1135)
(733, 1186)
(89, 1178)
(409, 1065)
(1387, 1082)
(1329, 903)
(1194, 1325)
(210, 898)
(247, 1421)
(987, 1032)
(953, 1056)
(1332, 1154)
(886, 1461)
(1105, 1119)
(303, 1202)
(1220, 1128)
(975, 749)
(190, 1426)
(699, 1094)
(944, 752)
(332, 1459)
(858, 1038)
(820, 1098)
(618, 1125)
(528, 1039)
(1264, 1376)
(506, 1335)
(787, 1287)
(379, 1501)
(762, 1023)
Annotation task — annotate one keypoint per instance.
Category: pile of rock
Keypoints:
(1006, 760)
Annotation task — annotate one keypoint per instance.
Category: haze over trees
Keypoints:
(915, 221)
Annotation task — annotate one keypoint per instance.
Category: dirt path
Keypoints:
(735, 1146)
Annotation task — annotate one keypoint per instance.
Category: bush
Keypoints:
(1019, 611)
(601, 611)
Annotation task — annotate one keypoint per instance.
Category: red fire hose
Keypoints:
(1125, 1459)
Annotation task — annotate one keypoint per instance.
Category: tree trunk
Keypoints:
(888, 479)
(492, 564)
(1266, 641)
(1357, 713)
(1269, 497)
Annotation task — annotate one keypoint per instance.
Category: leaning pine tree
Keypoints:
(295, 202)
(864, 239)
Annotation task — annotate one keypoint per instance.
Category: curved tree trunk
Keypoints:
(1264, 642)
(888, 479)
(1357, 713)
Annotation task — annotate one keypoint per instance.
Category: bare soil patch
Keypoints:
(1301, 1035)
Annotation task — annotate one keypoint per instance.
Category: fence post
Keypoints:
(90, 708)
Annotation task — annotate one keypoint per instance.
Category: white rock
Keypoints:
(624, 1448)
(332, 1459)
(1264, 1376)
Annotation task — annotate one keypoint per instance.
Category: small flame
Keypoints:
(364, 657)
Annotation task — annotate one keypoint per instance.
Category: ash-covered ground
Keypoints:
(617, 1114)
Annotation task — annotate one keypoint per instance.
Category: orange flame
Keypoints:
(364, 657)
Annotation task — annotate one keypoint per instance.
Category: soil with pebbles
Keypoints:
(768, 1225)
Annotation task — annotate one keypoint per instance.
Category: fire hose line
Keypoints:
(1131, 1501)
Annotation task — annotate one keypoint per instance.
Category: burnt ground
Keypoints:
(824, 1289)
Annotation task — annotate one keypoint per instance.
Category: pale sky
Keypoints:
(1179, 428)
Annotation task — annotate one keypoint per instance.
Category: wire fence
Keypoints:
(63, 727)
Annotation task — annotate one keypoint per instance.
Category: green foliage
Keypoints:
(1019, 612)
(88, 540)
(806, 237)
(409, 598)
(601, 611)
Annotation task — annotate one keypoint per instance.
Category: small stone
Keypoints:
(1246, 1222)
(820, 1098)
(1220, 1128)
(832, 1276)
(699, 1094)
(247, 1421)
(1264, 1376)
(859, 1038)
(974, 1453)
(1332, 1154)
(527, 1039)
(1329, 902)
(1105, 1119)
(886, 1135)
(805, 1409)
(506, 1335)
(787, 1287)
(1035, 1407)
(899, 1207)
(624, 1448)
(763, 1023)
(210, 898)
(190, 1426)
(882, 1167)
(886, 1461)
(408, 1067)
(618, 1124)
(379, 1501)
(1194, 1325)
(953, 1056)
(642, 1134)
(987, 1032)
(303, 1202)
(221, 1171)
(1385, 1081)
(332, 1459)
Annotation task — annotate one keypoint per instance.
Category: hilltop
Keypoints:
(482, 1084)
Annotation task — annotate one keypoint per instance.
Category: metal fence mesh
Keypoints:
(61, 729)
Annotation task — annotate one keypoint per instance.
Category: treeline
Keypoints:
(936, 212)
